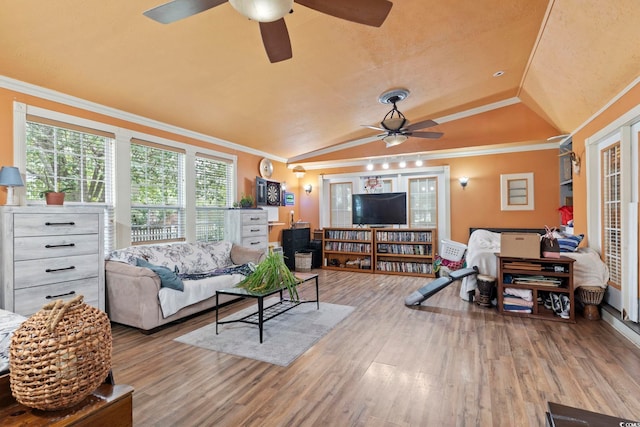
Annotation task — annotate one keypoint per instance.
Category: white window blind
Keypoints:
(423, 202)
(157, 193)
(71, 158)
(340, 199)
(214, 193)
(611, 213)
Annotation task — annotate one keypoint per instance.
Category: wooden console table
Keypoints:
(108, 406)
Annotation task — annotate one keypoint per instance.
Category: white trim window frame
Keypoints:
(624, 130)
(85, 147)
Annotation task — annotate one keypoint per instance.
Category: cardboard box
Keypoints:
(520, 245)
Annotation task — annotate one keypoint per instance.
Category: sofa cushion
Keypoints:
(187, 257)
(220, 253)
(168, 278)
(570, 243)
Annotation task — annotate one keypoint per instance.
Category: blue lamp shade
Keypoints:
(10, 177)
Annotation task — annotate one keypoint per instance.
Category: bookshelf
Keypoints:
(389, 251)
(408, 251)
(347, 249)
(538, 275)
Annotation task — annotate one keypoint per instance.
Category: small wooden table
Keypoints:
(266, 313)
(108, 406)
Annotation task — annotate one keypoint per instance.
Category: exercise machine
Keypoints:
(432, 288)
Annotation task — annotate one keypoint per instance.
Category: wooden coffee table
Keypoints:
(263, 313)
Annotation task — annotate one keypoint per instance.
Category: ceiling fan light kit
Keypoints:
(394, 139)
(262, 10)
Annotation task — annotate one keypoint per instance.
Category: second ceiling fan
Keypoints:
(395, 125)
(270, 15)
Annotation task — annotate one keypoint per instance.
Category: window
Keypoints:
(611, 213)
(340, 194)
(63, 157)
(157, 193)
(423, 202)
(214, 190)
(75, 159)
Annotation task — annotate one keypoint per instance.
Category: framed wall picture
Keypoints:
(516, 192)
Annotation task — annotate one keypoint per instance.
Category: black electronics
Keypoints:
(379, 209)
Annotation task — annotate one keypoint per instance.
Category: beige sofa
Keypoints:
(136, 297)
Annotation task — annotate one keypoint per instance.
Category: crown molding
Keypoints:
(72, 101)
(441, 154)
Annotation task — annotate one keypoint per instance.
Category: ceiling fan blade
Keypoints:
(275, 38)
(375, 128)
(367, 12)
(430, 135)
(421, 125)
(179, 9)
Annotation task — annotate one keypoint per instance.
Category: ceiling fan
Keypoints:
(395, 125)
(270, 15)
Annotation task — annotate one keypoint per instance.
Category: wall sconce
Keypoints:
(464, 180)
(299, 171)
(10, 177)
(308, 188)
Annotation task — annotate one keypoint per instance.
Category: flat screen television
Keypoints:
(379, 209)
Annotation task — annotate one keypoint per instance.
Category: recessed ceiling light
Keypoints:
(419, 162)
(370, 166)
(385, 165)
(402, 164)
(498, 73)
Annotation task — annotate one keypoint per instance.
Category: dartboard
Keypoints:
(273, 194)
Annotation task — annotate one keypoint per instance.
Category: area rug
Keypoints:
(285, 337)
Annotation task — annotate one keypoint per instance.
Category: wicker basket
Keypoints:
(60, 355)
(303, 261)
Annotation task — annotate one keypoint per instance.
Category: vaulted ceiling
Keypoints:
(561, 60)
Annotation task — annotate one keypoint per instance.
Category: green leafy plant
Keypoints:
(246, 200)
(271, 274)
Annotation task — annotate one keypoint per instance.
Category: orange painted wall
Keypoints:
(476, 206)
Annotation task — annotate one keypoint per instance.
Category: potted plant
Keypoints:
(246, 201)
(55, 197)
(272, 274)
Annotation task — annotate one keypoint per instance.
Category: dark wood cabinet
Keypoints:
(294, 240)
(539, 275)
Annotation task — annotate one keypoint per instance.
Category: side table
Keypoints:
(108, 406)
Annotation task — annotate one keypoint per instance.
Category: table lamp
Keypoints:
(10, 177)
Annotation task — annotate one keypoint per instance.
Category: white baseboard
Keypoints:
(611, 316)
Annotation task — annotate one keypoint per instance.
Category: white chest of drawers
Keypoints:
(50, 253)
(247, 227)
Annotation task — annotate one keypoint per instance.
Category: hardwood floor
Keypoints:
(445, 363)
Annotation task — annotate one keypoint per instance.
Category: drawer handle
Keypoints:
(255, 243)
(60, 246)
(52, 270)
(253, 230)
(255, 218)
(61, 295)
(60, 223)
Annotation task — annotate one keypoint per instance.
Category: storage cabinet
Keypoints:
(247, 227)
(347, 248)
(51, 253)
(539, 275)
(294, 240)
(405, 251)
